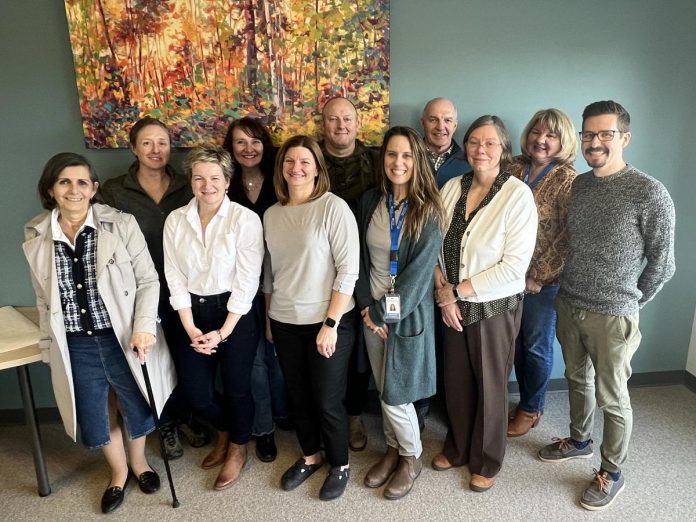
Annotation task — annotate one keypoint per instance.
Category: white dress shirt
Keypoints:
(228, 260)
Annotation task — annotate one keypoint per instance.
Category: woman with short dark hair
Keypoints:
(97, 291)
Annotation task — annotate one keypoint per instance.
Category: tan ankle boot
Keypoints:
(406, 473)
(232, 469)
(219, 452)
(380, 472)
(523, 422)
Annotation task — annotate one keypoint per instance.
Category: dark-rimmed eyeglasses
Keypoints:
(603, 135)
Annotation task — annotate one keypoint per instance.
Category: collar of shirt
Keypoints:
(195, 221)
(439, 159)
(57, 232)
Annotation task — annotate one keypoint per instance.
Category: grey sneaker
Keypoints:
(564, 449)
(195, 433)
(602, 491)
(170, 439)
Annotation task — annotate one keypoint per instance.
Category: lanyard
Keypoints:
(394, 231)
(528, 171)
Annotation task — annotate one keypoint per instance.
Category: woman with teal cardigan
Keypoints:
(400, 234)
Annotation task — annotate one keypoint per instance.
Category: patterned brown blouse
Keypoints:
(551, 195)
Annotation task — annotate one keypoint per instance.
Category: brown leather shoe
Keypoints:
(480, 483)
(358, 434)
(406, 473)
(232, 470)
(440, 463)
(219, 452)
(523, 422)
(380, 472)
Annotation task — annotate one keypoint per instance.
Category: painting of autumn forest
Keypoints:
(199, 64)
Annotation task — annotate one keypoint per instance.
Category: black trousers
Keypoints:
(233, 411)
(316, 385)
(478, 362)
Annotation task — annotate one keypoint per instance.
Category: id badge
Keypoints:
(393, 312)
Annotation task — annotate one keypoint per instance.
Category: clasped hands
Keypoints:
(204, 343)
(444, 297)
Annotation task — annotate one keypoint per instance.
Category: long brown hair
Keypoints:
(321, 182)
(423, 197)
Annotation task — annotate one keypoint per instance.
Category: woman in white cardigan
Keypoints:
(97, 292)
(479, 287)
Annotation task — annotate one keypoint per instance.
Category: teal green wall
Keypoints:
(493, 56)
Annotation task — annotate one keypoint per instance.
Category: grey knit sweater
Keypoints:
(621, 235)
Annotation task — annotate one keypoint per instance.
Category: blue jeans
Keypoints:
(267, 388)
(98, 363)
(233, 411)
(534, 351)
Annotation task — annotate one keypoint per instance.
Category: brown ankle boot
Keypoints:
(219, 452)
(523, 422)
(232, 470)
(381, 471)
(406, 473)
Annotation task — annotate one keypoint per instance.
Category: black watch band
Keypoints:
(331, 323)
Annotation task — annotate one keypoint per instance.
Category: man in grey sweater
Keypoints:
(621, 252)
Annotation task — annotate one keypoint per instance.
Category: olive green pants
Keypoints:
(597, 350)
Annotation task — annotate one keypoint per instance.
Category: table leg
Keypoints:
(32, 422)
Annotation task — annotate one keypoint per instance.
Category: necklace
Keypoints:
(252, 185)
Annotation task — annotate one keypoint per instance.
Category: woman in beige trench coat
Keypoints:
(97, 293)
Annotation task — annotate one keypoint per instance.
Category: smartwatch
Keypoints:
(331, 323)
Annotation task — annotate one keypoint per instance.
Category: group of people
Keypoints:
(296, 275)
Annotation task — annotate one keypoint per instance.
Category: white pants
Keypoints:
(400, 423)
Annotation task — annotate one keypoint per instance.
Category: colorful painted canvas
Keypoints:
(199, 64)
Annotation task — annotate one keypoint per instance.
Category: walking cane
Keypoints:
(151, 396)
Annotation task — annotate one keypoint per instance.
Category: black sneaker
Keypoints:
(170, 439)
(335, 483)
(266, 449)
(195, 433)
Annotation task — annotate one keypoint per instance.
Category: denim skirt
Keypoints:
(98, 363)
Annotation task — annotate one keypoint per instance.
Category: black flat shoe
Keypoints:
(297, 474)
(149, 482)
(335, 483)
(113, 497)
(266, 449)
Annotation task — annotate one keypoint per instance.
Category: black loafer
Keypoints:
(113, 497)
(297, 474)
(149, 482)
(335, 483)
(266, 449)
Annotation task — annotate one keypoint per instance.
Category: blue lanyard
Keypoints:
(528, 171)
(394, 231)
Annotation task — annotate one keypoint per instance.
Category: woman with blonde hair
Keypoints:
(549, 147)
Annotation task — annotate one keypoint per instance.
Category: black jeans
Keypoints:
(317, 385)
(233, 411)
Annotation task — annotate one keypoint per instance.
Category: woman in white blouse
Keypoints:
(310, 273)
(213, 253)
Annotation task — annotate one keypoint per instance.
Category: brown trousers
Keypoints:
(477, 366)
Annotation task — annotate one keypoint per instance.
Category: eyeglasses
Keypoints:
(603, 135)
(475, 144)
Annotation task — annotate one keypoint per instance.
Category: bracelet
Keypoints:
(222, 340)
